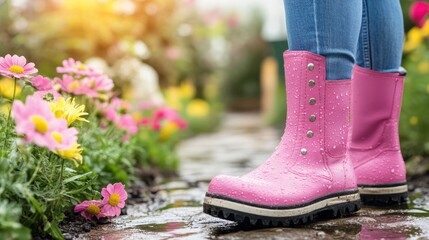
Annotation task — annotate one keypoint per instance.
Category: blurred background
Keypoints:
(203, 58)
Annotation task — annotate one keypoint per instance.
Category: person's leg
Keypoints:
(382, 36)
(377, 87)
(308, 172)
(328, 28)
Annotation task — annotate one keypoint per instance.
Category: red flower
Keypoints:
(418, 12)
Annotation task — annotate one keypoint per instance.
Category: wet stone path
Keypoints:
(241, 144)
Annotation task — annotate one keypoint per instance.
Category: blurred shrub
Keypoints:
(414, 124)
(203, 113)
(241, 85)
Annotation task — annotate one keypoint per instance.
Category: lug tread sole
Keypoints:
(384, 194)
(242, 218)
(384, 199)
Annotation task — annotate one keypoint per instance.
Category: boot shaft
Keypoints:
(317, 109)
(373, 145)
(375, 108)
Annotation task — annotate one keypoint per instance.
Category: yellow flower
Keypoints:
(425, 29)
(68, 109)
(198, 108)
(6, 88)
(187, 90)
(5, 108)
(73, 154)
(211, 88)
(136, 116)
(414, 120)
(423, 67)
(414, 39)
(127, 92)
(172, 98)
(167, 130)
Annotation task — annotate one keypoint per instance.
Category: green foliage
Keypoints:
(106, 153)
(242, 74)
(204, 124)
(157, 153)
(414, 123)
(10, 227)
(32, 180)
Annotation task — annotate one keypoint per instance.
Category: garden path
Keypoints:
(241, 143)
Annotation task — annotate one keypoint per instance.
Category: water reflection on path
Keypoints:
(240, 145)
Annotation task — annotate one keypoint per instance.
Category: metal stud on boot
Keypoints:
(308, 172)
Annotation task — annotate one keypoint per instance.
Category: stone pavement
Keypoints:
(242, 143)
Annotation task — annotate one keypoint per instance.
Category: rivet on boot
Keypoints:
(310, 134)
(312, 118)
(312, 101)
(303, 151)
(310, 66)
(311, 83)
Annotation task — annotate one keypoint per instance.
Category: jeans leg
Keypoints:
(382, 36)
(326, 27)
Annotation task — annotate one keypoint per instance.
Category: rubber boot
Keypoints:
(308, 172)
(373, 140)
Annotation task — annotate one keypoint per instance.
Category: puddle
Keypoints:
(181, 203)
(163, 227)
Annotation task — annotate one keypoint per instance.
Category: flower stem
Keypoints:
(61, 173)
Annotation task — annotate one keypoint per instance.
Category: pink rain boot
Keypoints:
(308, 172)
(373, 141)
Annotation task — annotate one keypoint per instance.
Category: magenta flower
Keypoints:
(128, 123)
(118, 113)
(71, 66)
(90, 209)
(167, 115)
(15, 66)
(114, 197)
(42, 83)
(38, 124)
(418, 12)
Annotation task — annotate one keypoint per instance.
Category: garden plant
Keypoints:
(69, 143)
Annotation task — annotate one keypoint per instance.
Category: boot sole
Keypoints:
(333, 205)
(384, 194)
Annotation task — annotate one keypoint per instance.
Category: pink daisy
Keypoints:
(16, 66)
(63, 136)
(42, 83)
(48, 95)
(114, 197)
(97, 84)
(116, 107)
(71, 66)
(35, 120)
(71, 85)
(127, 123)
(90, 209)
(118, 113)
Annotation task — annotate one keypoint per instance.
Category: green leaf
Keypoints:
(70, 179)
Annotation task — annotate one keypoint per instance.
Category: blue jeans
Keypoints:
(369, 33)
